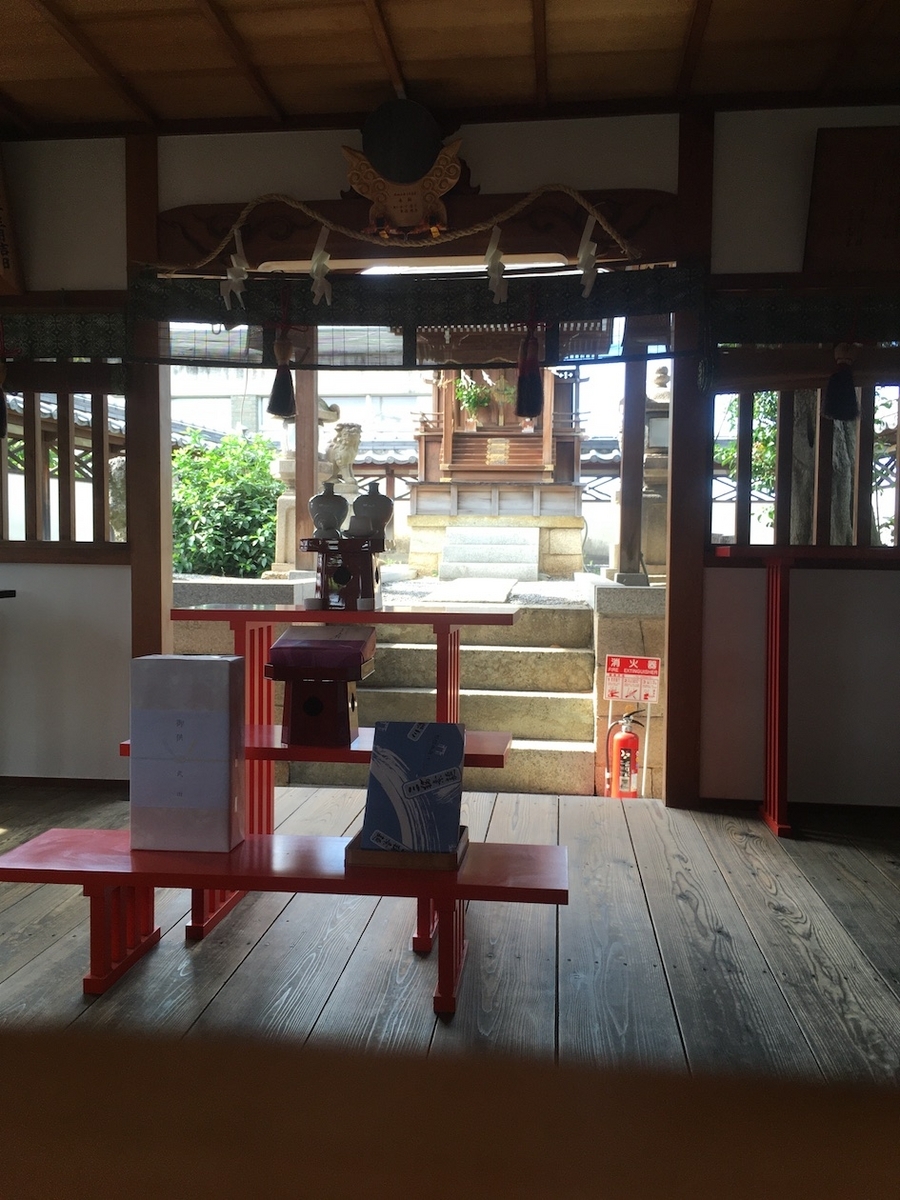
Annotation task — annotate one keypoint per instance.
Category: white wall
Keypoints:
(65, 655)
(67, 201)
(762, 177)
(844, 687)
(609, 152)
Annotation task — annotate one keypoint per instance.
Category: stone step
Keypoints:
(493, 668)
(557, 625)
(493, 535)
(556, 716)
(491, 552)
(496, 567)
(534, 766)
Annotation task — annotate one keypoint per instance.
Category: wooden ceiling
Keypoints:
(80, 67)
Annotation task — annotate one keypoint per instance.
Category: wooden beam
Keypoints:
(234, 47)
(863, 532)
(10, 111)
(11, 281)
(861, 18)
(23, 374)
(744, 469)
(65, 464)
(34, 454)
(784, 468)
(386, 46)
(539, 26)
(148, 431)
(690, 480)
(4, 481)
(748, 368)
(100, 466)
(92, 56)
(632, 467)
(112, 554)
(822, 488)
(693, 44)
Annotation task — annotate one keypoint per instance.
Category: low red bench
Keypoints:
(120, 882)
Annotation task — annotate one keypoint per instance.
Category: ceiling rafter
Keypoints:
(863, 17)
(386, 46)
(92, 56)
(10, 111)
(693, 44)
(539, 25)
(234, 46)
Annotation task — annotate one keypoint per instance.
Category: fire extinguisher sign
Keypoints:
(629, 678)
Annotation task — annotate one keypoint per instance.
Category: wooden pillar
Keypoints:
(784, 467)
(690, 476)
(863, 533)
(306, 446)
(632, 463)
(823, 478)
(148, 427)
(743, 485)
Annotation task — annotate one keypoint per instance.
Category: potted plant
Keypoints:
(472, 396)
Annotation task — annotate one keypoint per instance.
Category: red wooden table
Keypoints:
(254, 628)
(120, 883)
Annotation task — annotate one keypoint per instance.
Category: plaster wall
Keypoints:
(844, 687)
(639, 152)
(65, 653)
(67, 201)
(761, 182)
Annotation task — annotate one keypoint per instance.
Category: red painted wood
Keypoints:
(484, 748)
(286, 863)
(120, 883)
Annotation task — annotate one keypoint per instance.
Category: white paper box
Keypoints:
(187, 752)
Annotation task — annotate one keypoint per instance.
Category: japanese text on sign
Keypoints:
(631, 678)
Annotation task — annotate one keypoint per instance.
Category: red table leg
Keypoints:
(452, 948)
(447, 674)
(252, 642)
(426, 925)
(122, 931)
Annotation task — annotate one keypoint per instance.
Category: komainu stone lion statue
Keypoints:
(341, 452)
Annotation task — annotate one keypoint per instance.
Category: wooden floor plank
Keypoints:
(41, 918)
(382, 1000)
(507, 997)
(477, 809)
(47, 989)
(280, 987)
(731, 1012)
(848, 1016)
(328, 812)
(614, 1002)
(863, 899)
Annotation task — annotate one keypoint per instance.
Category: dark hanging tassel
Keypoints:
(840, 402)
(281, 401)
(529, 384)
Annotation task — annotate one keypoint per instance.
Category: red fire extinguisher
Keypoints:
(622, 758)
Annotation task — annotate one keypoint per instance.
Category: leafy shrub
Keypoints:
(223, 507)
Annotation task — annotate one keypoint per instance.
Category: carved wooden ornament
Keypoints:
(404, 208)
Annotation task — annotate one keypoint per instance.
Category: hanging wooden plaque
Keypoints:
(10, 275)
